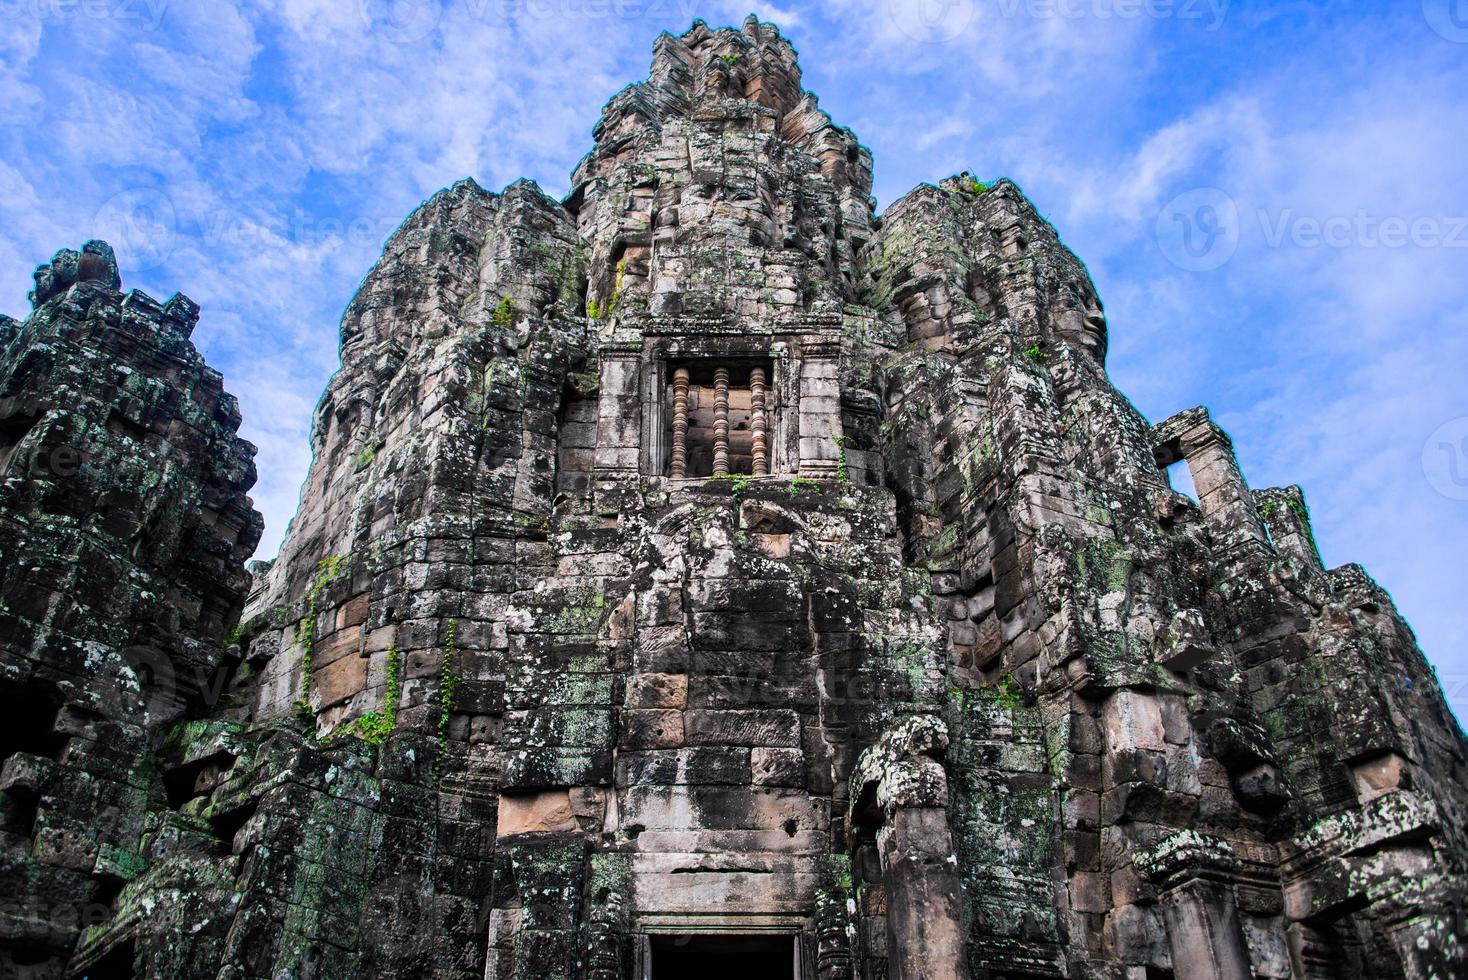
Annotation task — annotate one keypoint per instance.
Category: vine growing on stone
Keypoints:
(375, 726)
(448, 681)
(327, 571)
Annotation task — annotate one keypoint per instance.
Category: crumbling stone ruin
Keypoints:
(700, 576)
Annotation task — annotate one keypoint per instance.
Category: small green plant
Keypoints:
(1011, 695)
(1037, 355)
(448, 681)
(1273, 508)
(375, 726)
(617, 287)
(504, 313)
(799, 484)
(842, 476)
(366, 458)
(970, 187)
(327, 571)
(593, 310)
(729, 59)
(738, 482)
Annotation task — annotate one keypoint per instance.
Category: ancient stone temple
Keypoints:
(702, 576)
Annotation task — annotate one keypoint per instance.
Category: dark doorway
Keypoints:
(718, 957)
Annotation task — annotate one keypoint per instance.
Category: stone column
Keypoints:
(820, 409)
(619, 414)
(757, 422)
(1288, 520)
(721, 422)
(1191, 873)
(680, 422)
(1223, 494)
(902, 782)
(1421, 921)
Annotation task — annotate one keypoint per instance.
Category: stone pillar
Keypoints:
(901, 783)
(758, 422)
(1288, 520)
(680, 422)
(834, 930)
(1423, 923)
(1223, 494)
(1191, 873)
(721, 422)
(619, 414)
(820, 409)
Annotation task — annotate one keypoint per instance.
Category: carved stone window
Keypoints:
(721, 417)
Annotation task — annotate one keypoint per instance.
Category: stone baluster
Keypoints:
(757, 422)
(680, 423)
(721, 422)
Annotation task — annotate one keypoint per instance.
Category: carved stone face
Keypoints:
(1082, 322)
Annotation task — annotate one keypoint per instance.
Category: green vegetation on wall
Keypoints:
(448, 682)
(327, 571)
(375, 726)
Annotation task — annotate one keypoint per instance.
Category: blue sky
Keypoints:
(1272, 197)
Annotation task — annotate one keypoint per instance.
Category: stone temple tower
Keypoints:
(705, 576)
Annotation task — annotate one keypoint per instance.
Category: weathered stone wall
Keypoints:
(1207, 691)
(124, 526)
(961, 688)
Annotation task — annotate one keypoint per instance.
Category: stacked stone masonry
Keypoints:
(701, 570)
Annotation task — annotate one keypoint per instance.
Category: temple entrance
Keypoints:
(723, 957)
